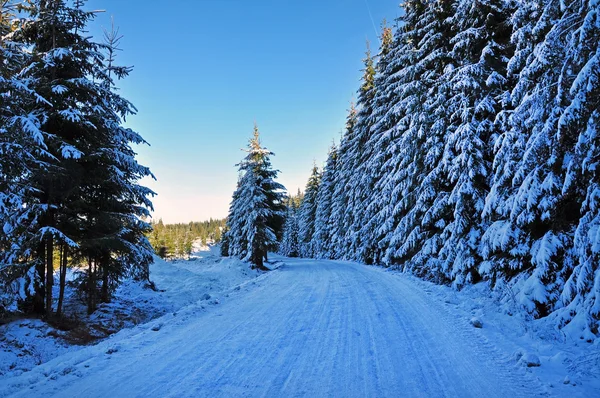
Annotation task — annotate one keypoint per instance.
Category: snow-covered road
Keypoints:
(312, 328)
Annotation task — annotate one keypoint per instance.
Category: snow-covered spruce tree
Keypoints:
(534, 220)
(401, 93)
(564, 243)
(481, 46)
(60, 69)
(322, 237)
(257, 210)
(357, 155)
(419, 187)
(86, 155)
(289, 246)
(579, 131)
(233, 243)
(340, 199)
(530, 23)
(112, 205)
(543, 202)
(21, 151)
(371, 169)
(307, 214)
(397, 92)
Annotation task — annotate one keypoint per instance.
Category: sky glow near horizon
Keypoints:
(206, 70)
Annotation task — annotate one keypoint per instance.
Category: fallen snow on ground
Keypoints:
(321, 328)
(564, 366)
(205, 277)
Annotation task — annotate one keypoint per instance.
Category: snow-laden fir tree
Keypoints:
(62, 68)
(257, 209)
(420, 189)
(357, 154)
(554, 197)
(307, 214)
(340, 199)
(21, 149)
(114, 205)
(371, 169)
(480, 47)
(402, 89)
(233, 245)
(502, 237)
(322, 237)
(84, 190)
(289, 245)
(533, 222)
(579, 130)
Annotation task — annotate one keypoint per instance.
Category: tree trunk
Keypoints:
(104, 294)
(63, 278)
(40, 276)
(49, 273)
(257, 260)
(91, 287)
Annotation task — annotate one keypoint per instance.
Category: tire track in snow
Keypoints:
(482, 348)
(312, 328)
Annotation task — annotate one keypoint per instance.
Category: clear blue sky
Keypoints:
(205, 70)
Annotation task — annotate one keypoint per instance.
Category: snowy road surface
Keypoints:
(311, 328)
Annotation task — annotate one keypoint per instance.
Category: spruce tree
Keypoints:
(479, 54)
(529, 236)
(422, 190)
(402, 91)
(257, 206)
(358, 154)
(22, 152)
(322, 237)
(341, 198)
(114, 204)
(61, 68)
(289, 246)
(372, 169)
(579, 131)
(307, 214)
(84, 192)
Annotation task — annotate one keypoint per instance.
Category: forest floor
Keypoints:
(321, 328)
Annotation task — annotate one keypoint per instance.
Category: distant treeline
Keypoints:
(176, 240)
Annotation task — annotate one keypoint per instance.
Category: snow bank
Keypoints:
(568, 366)
(26, 343)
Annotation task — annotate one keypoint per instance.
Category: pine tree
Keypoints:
(289, 246)
(372, 167)
(421, 191)
(401, 92)
(115, 228)
(307, 214)
(501, 237)
(257, 206)
(22, 149)
(340, 198)
(321, 239)
(479, 53)
(58, 71)
(84, 193)
(529, 234)
(579, 130)
(566, 257)
(358, 154)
